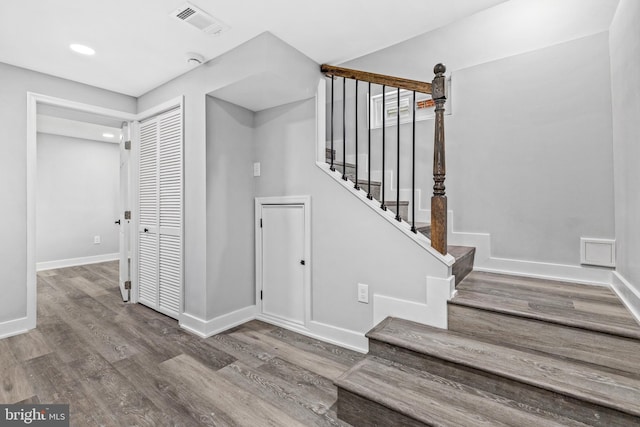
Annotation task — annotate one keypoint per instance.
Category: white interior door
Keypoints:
(125, 209)
(283, 263)
(160, 243)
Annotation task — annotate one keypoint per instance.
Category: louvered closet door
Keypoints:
(160, 234)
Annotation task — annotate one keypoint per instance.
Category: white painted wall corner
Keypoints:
(629, 295)
(208, 328)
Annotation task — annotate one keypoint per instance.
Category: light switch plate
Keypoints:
(256, 169)
(363, 293)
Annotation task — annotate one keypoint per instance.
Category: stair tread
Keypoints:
(582, 306)
(435, 400)
(571, 378)
(459, 252)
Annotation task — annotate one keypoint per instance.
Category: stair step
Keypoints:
(575, 321)
(379, 392)
(464, 256)
(585, 392)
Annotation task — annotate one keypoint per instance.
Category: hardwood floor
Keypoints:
(126, 365)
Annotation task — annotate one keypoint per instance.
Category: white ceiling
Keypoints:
(139, 46)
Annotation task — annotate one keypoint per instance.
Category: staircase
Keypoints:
(463, 255)
(518, 352)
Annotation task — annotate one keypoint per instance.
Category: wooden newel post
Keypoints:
(439, 199)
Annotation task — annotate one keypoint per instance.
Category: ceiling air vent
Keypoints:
(200, 19)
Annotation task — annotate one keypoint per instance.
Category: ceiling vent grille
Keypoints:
(199, 19)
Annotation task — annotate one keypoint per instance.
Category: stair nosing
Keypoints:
(563, 388)
(590, 326)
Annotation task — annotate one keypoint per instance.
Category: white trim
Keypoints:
(71, 262)
(542, 270)
(33, 99)
(420, 239)
(321, 131)
(161, 108)
(629, 295)
(207, 328)
(345, 338)
(285, 200)
(15, 327)
(431, 312)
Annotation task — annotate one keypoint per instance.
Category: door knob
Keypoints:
(146, 230)
(117, 222)
(302, 262)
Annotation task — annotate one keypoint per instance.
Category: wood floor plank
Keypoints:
(120, 364)
(318, 364)
(14, 384)
(28, 346)
(243, 407)
(282, 394)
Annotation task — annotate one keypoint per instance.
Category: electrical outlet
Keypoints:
(256, 169)
(363, 293)
(97, 240)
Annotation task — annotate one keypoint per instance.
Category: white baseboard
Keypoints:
(207, 328)
(629, 295)
(16, 327)
(346, 338)
(72, 262)
(484, 261)
(432, 312)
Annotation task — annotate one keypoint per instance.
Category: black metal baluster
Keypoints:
(369, 195)
(356, 186)
(344, 128)
(332, 167)
(384, 114)
(413, 168)
(398, 217)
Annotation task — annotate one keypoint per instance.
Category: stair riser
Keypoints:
(359, 411)
(404, 210)
(533, 397)
(574, 343)
(463, 267)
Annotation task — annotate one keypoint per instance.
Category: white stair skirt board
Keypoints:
(629, 295)
(16, 327)
(208, 328)
(72, 262)
(432, 312)
(405, 227)
(485, 262)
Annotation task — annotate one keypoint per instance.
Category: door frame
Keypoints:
(33, 100)
(304, 201)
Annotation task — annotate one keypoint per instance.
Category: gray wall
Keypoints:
(230, 231)
(77, 199)
(528, 147)
(350, 243)
(16, 82)
(264, 54)
(625, 84)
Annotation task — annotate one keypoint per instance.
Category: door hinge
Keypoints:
(127, 284)
(127, 145)
(127, 214)
(260, 295)
(260, 222)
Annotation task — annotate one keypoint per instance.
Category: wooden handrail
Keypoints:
(439, 199)
(381, 79)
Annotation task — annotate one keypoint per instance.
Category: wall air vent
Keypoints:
(199, 19)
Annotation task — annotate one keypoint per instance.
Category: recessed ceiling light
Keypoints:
(80, 48)
(108, 135)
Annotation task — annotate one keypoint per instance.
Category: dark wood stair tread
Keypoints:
(578, 380)
(434, 400)
(581, 306)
